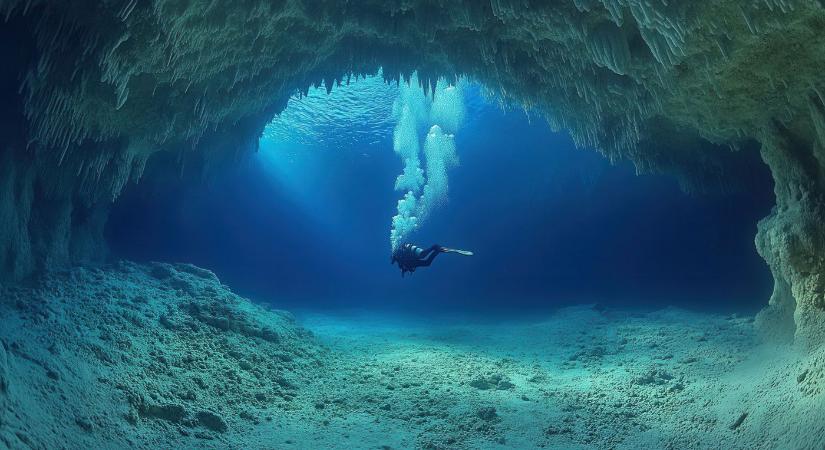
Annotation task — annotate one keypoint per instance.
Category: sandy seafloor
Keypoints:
(164, 356)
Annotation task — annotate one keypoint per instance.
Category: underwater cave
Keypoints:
(231, 224)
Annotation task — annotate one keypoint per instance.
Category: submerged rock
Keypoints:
(653, 376)
(170, 412)
(154, 357)
(494, 381)
(487, 414)
(739, 420)
(213, 421)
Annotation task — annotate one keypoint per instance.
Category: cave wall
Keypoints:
(792, 238)
(98, 87)
(43, 219)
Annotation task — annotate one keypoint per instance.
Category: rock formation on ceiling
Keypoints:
(92, 89)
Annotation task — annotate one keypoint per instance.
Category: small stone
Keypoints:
(736, 423)
(51, 373)
(211, 421)
(84, 423)
(246, 415)
(487, 413)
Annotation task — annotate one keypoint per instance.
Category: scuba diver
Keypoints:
(409, 257)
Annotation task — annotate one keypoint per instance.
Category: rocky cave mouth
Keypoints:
(98, 95)
(318, 153)
(672, 88)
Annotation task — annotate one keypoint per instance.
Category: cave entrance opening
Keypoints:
(307, 220)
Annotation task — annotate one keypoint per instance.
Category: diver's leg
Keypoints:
(434, 249)
(433, 252)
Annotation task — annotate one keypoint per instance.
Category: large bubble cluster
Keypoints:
(436, 116)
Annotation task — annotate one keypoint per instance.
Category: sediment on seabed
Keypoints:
(164, 355)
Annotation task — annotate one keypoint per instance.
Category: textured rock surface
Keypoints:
(94, 88)
(792, 238)
(133, 356)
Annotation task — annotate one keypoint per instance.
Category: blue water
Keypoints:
(305, 222)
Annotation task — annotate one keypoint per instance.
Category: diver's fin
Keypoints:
(455, 250)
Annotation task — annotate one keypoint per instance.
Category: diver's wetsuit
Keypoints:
(409, 257)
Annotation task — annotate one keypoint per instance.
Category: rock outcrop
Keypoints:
(129, 353)
(94, 89)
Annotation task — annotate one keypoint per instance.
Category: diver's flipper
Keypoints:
(455, 250)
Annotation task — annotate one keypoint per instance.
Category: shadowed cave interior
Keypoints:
(557, 219)
(116, 114)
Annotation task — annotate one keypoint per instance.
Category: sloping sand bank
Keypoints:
(164, 356)
(136, 356)
(581, 378)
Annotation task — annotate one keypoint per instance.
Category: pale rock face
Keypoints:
(101, 92)
(792, 238)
